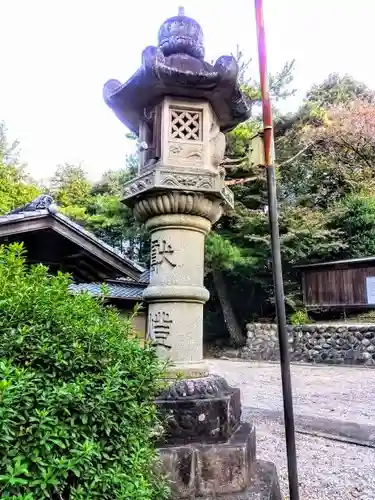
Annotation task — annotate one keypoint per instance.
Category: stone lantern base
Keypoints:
(208, 453)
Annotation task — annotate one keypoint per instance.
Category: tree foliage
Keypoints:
(324, 153)
(16, 188)
(325, 175)
(354, 217)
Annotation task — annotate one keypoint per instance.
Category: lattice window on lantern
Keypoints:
(186, 124)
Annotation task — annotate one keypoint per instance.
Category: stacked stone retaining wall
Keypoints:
(318, 343)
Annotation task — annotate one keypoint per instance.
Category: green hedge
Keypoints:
(77, 419)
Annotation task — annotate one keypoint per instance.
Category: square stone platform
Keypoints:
(221, 470)
(264, 484)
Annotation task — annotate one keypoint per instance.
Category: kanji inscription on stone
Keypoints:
(159, 328)
(161, 252)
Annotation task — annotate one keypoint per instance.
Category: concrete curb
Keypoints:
(296, 363)
(338, 430)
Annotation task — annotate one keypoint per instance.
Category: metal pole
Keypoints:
(276, 257)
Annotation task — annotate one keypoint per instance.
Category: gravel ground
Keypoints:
(339, 392)
(327, 469)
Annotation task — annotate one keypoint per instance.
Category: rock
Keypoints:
(353, 340)
(313, 353)
(307, 328)
(350, 354)
(245, 354)
(319, 343)
(230, 353)
(335, 353)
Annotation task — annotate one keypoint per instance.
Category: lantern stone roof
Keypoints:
(176, 67)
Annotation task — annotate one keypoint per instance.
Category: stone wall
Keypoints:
(318, 343)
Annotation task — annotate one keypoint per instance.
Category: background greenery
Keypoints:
(326, 185)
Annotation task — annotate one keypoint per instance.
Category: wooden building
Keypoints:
(342, 284)
(52, 239)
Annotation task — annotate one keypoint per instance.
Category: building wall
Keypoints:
(139, 321)
(336, 287)
(139, 324)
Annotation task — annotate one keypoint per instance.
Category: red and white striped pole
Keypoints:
(276, 255)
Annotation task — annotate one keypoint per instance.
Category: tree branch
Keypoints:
(230, 161)
(236, 182)
(303, 150)
(356, 151)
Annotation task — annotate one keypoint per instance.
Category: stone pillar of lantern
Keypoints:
(179, 197)
(180, 107)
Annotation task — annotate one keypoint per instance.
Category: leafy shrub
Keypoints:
(77, 418)
(300, 318)
(364, 317)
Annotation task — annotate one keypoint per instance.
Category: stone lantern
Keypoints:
(180, 107)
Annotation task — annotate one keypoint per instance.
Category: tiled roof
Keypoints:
(31, 212)
(96, 240)
(145, 276)
(116, 289)
(6, 219)
(125, 288)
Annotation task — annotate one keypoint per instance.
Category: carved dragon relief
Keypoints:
(167, 178)
(192, 153)
(186, 180)
(139, 185)
(228, 195)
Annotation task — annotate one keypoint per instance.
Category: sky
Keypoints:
(57, 54)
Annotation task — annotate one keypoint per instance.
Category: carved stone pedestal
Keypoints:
(208, 452)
